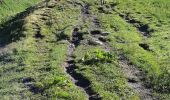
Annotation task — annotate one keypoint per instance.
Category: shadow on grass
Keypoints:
(5, 58)
(12, 30)
(60, 35)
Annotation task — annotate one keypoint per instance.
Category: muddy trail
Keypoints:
(77, 78)
(135, 79)
(95, 31)
(134, 76)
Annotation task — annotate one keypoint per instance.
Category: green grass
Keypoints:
(42, 60)
(125, 38)
(106, 78)
(9, 8)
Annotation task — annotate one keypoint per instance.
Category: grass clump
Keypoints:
(98, 56)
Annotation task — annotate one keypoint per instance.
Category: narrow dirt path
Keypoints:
(78, 79)
(142, 28)
(135, 77)
(95, 26)
(133, 74)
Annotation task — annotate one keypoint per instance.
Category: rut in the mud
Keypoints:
(134, 75)
(78, 79)
(142, 28)
(135, 79)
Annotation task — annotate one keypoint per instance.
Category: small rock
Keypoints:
(105, 33)
(94, 41)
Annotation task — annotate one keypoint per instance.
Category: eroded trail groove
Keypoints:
(134, 76)
(78, 79)
(142, 28)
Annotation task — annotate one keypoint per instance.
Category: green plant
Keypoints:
(98, 56)
(103, 56)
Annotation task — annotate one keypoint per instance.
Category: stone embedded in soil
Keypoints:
(94, 41)
(105, 33)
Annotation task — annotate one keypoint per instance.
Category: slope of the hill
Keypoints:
(9, 8)
(121, 50)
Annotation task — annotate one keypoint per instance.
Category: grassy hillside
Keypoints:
(154, 14)
(9, 8)
(122, 51)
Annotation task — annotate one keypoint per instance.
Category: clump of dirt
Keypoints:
(113, 4)
(94, 41)
(61, 36)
